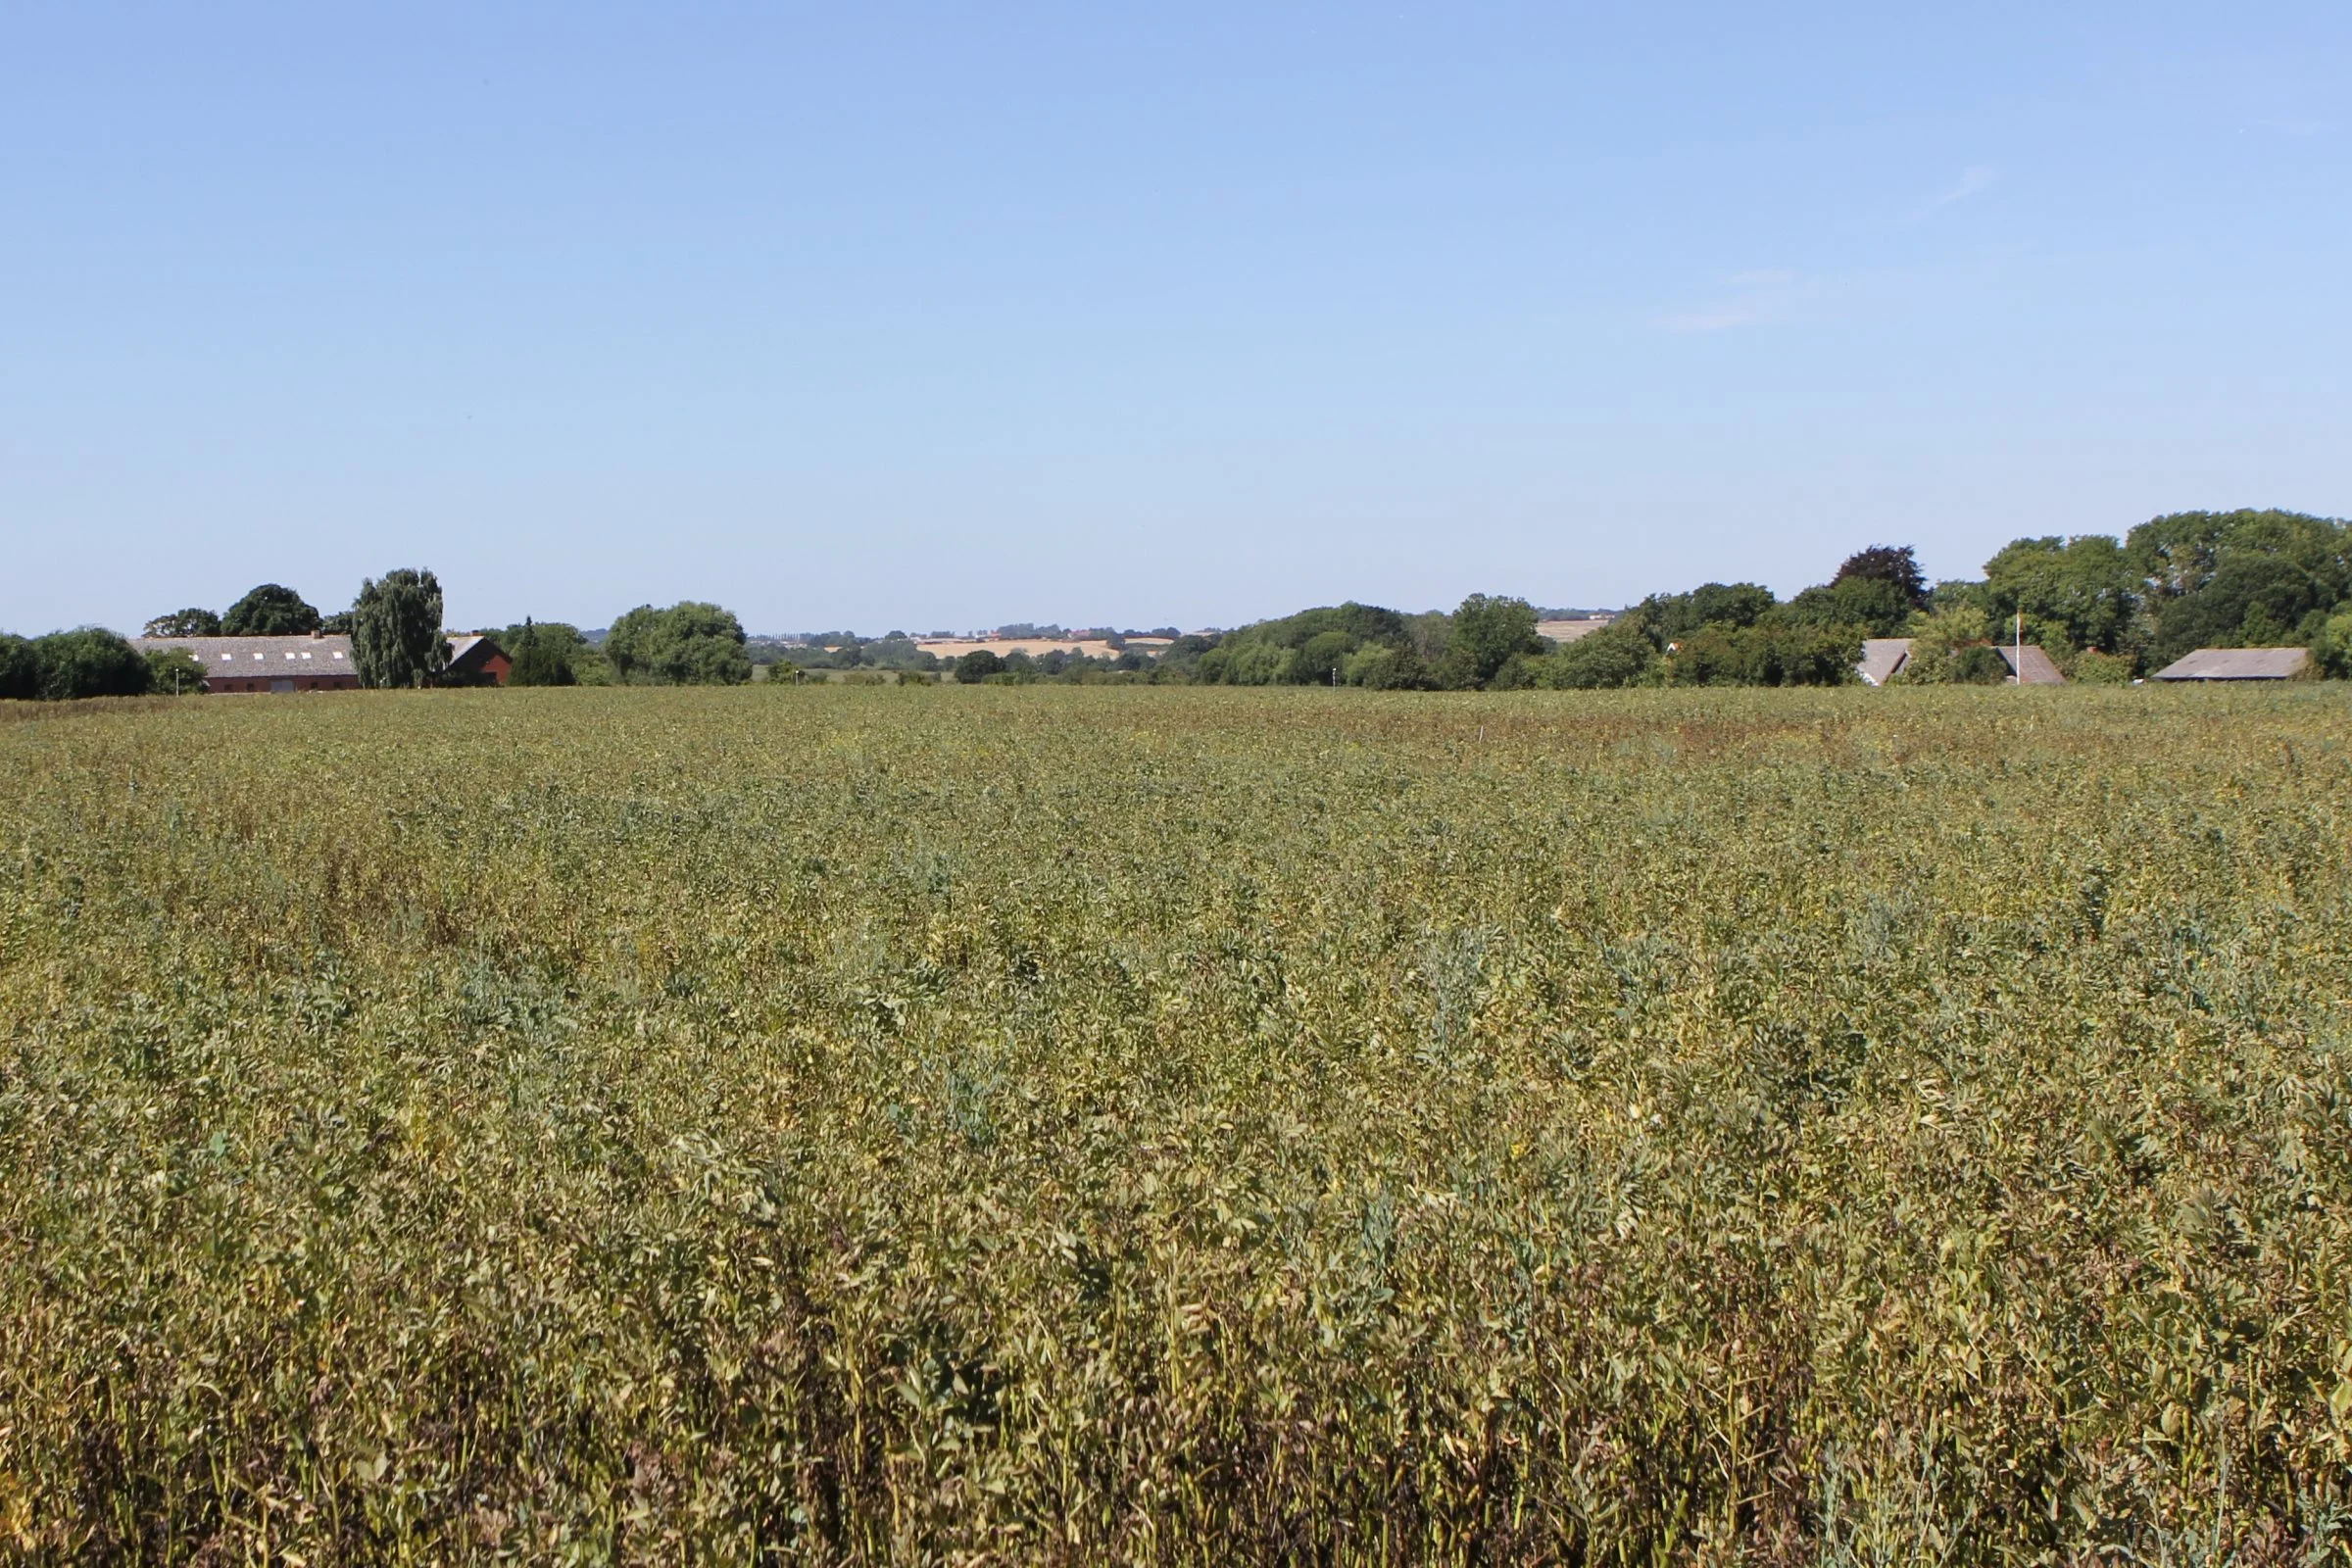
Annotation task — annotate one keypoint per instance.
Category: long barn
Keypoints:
(311, 661)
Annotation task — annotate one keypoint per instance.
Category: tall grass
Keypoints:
(1032, 1125)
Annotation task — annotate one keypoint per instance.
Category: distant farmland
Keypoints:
(1178, 1125)
(1038, 647)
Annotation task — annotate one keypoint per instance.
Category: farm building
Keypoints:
(1883, 658)
(2028, 666)
(2238, 663)
(478, 661)
(316, 661)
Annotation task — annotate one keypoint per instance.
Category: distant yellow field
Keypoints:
(1568, 631)
(1036, 647)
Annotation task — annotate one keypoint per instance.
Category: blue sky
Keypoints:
(913, 317)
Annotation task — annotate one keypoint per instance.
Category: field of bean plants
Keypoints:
(1014, 1125)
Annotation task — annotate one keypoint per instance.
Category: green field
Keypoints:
(1080, 1124)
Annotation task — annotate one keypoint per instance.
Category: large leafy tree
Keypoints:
(269, 610)
(2233, 578)
(1895, 566)
(1617, 655)
(1879, 605)
(1489, 631)
(2179, 553)
(2083, 590)
(977, 665)
(688, 644)
(1670, 618)
(2250, 600)
(184, 624)
(90, 661)
(542, 654)
(20, 669)
(396, 629)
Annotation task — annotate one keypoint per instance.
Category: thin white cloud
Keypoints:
(1974, 178)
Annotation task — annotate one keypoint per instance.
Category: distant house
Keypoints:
(476, 660)
(2238, 663)
(1883, 658)
(312, 662)
(2028, 666)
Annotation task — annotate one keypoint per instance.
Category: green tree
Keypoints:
(977, 665)
(542, 656)
(269, 610)
(1952, 647)
(1380, 667)
(173, 672)
(1321, 656)
(1619, 654)
(1670, 618)
(2179, 554)
(689, 644)
(396, 629)
(20, 669)
(1899, 567)
(1770, 653)
(2250, 597)
(1488, 630)
(1881, 607)
(1274, 652)
(2082, 592)
(2333, 647)
(184, 624)
(90, 661)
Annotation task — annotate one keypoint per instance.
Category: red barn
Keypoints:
(476, 660)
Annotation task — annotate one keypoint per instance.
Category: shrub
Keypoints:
(689, 644)
(90, 661)
(2094, 668)
(977, 665)
(1617, 655)
(173, 672)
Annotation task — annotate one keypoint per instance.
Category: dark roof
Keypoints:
(303, 654)
(2030, 665)
(471, 652)
(1883, 658)
(2237, 664)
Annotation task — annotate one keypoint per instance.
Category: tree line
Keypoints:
(2104, 608)
(397, 640)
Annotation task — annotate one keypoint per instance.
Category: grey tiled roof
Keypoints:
(265, 657)
(2237, 664)
(1883, 658)
(2030, 665)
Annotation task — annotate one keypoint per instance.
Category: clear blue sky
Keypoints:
(884, 316)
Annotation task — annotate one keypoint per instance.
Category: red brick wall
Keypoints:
(241, 684)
